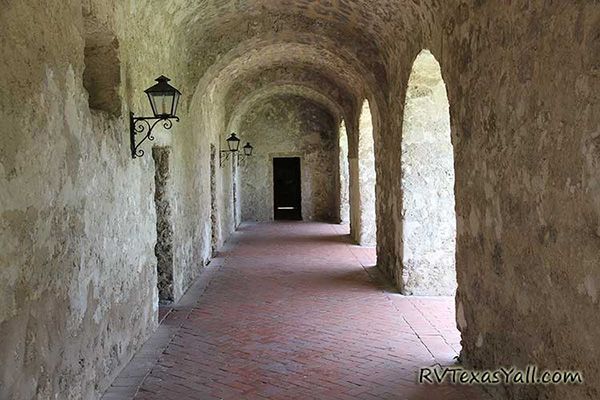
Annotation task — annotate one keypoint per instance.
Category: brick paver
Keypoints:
(293, 314)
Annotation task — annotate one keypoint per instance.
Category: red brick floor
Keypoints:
(293, 314)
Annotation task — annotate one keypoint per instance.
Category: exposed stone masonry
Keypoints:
(164, 229)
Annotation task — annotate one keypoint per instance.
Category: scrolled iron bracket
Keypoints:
(224, 156)
(144, 126)
(242, 160)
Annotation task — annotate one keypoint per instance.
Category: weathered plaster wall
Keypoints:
(208, 131)
(78, 280)
(429, 221)
(78, 274)
(290, 126)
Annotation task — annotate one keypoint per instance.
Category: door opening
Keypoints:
(287, 190)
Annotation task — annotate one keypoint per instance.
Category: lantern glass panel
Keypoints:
(162, 103)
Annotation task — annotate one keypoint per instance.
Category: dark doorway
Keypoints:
(287, 188)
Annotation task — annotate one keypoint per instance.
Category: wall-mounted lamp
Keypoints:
(164, 99)
(233, 147)
(233, 142)
(248, 149)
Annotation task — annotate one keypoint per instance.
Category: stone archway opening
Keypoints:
(363, 215)
(344, 173)
(429, 224)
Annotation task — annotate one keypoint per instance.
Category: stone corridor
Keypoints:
(296, 311)
(148, 146)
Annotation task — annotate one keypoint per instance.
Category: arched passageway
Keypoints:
(429, 220)
(80, 220)
(344, 174)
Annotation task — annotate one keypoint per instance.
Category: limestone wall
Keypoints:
(522, 84)
(289, 126)
(525, 105)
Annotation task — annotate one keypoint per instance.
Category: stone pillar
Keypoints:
(164, 224)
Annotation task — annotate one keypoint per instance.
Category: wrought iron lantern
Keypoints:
(233, 142)
(164, 100)
(233, 146)
(248, 149)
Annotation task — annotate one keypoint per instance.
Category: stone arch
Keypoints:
(253, 27)
(429, 219)
(341, 66)
(102, 66)
(296, 78)
(260, 53)
(208, 99)
(282, 88)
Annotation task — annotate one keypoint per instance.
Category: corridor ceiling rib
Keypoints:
(287, 75)
(278, 89)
